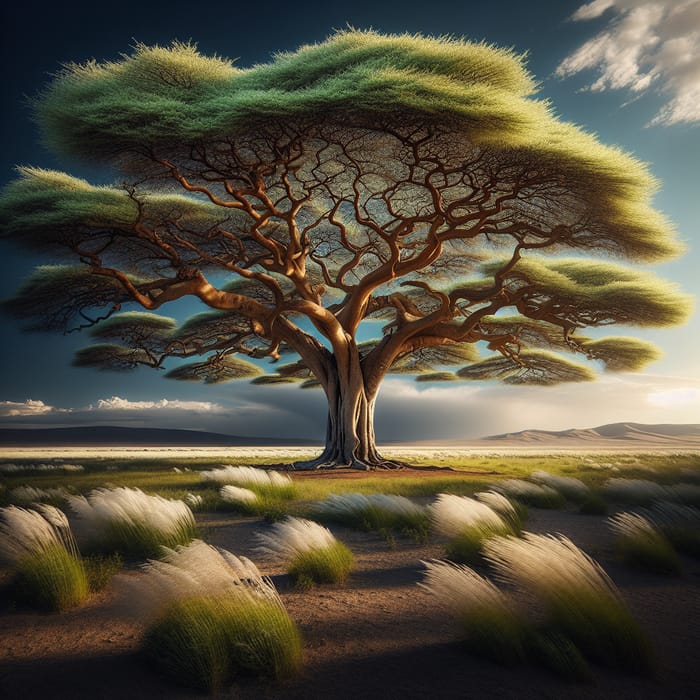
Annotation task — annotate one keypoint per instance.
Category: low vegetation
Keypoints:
(641, 544)
(211, 616)
(580, 599)
(38, 545)
(310, 551)
(376, 512)
(468, 523)
(131, 522)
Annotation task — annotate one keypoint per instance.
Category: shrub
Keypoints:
(486, 616)
(133, 523)
(569, 487)
(536, 495)
(39, 546)
(268, 483)
(212, 616)
(643, 545)
(309, 550)
(581, 600)
(376, 512)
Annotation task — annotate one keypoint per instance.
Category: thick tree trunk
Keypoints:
(350, 440)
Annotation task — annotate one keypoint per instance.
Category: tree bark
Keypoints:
(350, 439)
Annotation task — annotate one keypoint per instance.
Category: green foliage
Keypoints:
(330, 564)
(559, 654)
(603, 629)
(141, 540)
(532, 367)
(215, 370)
(205, 642)
(495, 633)
(466, 548)
(100, 568)
(649, 551)
(111, 357)
(51, 578)
(622, 354)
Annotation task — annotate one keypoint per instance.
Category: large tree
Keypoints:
(404, 189)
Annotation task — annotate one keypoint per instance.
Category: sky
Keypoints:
(626, 70)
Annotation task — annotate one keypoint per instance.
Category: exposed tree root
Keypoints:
(323, 462)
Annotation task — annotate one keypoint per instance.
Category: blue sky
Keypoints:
(626, 70)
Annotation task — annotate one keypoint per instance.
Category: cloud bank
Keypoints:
(646, 45)
(406, 410)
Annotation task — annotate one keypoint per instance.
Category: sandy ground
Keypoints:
(377, 636)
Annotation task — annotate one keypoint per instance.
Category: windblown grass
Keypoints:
(468, 523)
(490, 623)
(310, 551)
(643, 545)
(376, 512)
(32, 494)
(529, 493)
(511, 511)
(39, 546)
(131, 522)
(265, 483)
(568, 486)
(679, 523)
(213, 616)
(580, 599)
(634, 491)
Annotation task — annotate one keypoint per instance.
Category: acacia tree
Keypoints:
(401, 183)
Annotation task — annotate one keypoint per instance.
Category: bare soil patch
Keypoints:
(378, 635)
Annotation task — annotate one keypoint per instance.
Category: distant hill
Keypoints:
(113, 436)
(631, 433)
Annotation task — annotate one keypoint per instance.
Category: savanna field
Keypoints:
(182, 574)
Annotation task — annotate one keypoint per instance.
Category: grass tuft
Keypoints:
(206, 642)
(51, 579)
(212, 616)
(680, 524)
(641, 544)
(310, 551)
(263, 482)
(529, 493)
(375, 512)
(571, 488)
(48, 572)
(468, 523)
(581, 600)
(558, 654)
(491, 626)
(133, 523)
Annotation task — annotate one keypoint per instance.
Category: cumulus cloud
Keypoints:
(24, 408)
(646, 45)
(116, 403)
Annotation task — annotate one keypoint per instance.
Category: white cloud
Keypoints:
(674, 397)
(24, 408)
(117, 403)
(646, 44)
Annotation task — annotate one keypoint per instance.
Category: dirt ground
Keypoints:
(378, 635)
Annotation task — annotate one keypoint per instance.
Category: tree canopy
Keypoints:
(414, 186)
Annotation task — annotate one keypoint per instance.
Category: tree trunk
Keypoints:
(350, 440)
